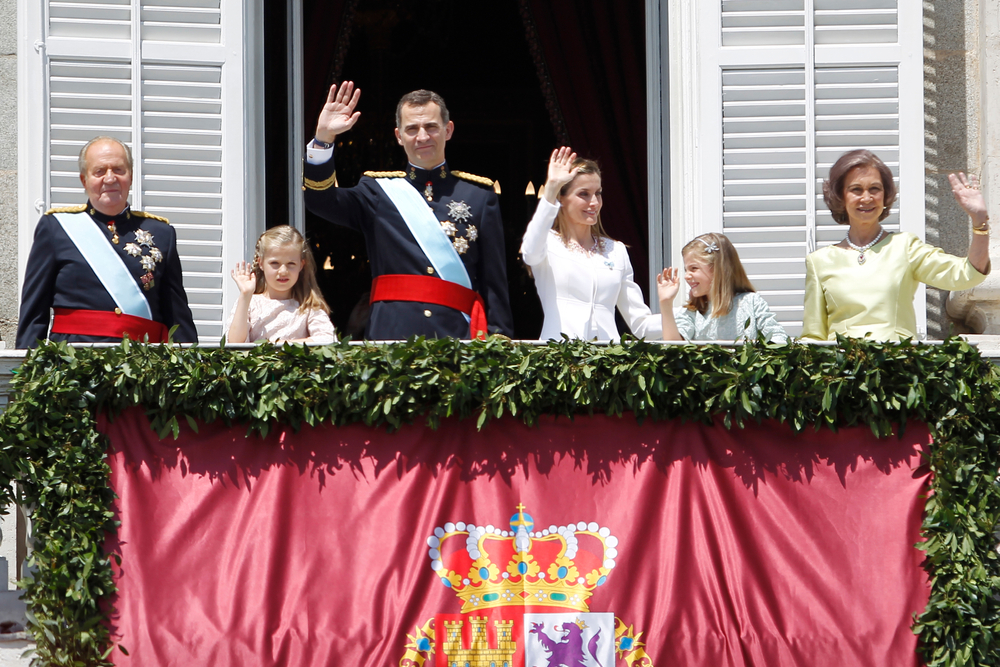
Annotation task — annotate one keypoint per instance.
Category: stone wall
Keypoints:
(953, 123)
(8, 172)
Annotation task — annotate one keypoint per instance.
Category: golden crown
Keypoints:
(487, 567)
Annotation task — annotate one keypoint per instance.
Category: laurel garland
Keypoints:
(49, 443)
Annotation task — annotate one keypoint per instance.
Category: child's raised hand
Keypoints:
(244, 278)
(561, 172)
(667, 285)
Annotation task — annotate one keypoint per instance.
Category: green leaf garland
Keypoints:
(50, 446)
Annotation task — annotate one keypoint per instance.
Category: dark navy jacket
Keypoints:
(57, 276)
(392, 249)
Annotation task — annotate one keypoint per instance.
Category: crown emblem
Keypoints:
(488, 567)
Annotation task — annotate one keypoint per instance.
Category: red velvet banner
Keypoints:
(597, 541)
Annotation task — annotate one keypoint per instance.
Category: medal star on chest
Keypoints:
(144, 240)
(459, 210)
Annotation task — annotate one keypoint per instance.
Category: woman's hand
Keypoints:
(667, 286)
(561, 172)
(969, 197)
(338, 114)
(244, 278)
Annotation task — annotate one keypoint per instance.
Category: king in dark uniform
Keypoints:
(104, 269)
(434, 235)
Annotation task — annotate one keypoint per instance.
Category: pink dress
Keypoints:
(280, 319)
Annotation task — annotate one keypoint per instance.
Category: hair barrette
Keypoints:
(710, 247)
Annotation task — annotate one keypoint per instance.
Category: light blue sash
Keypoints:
(106, 263)
(420, 219)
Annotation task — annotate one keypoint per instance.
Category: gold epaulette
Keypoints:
(385, 174)
(472, 178)
(320, 185)
(76, 208)
(143, 214)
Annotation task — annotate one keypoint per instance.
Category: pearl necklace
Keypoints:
(861, 249)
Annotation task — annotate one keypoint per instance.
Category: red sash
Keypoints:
(425, 289)
(107, 323)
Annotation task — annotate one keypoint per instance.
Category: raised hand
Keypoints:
(667, 285)
(244, 278)
(338, 114)
(969, 196)
(561, 172)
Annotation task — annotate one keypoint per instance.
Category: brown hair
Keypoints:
(833, 187)
(81, 161)
(305, 290)
(419, 98)
(728, 276)
(585, 167)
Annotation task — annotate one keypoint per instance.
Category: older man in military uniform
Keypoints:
(434, 235)
(104, 269)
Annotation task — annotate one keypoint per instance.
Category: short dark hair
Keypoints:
(419, 98)
(833, 187)
(82, 160)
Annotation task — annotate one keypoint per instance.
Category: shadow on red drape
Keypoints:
(591, 60)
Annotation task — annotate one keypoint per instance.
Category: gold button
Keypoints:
(118, 311)
(427, 313)
(430, 270)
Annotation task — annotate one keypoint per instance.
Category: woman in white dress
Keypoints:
(581, 273)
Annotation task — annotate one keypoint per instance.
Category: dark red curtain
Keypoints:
(591, 60)
(688, 543)
(326, 37)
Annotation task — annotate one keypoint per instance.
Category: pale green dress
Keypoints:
(875, 299)
(748, 316)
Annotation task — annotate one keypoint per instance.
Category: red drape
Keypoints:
(727, 548)
(593, 52)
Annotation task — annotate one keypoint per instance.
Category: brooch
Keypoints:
(459, 210)
(144, 239)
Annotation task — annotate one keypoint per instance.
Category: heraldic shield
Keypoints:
(525, 599)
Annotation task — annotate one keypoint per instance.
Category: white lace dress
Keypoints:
(280, 319)
(748, 316)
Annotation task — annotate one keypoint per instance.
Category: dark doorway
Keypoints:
(478, 57)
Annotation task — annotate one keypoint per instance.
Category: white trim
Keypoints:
(32, 149)
(685, 138)
(657, 146)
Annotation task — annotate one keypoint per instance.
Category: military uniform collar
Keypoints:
(126, 214)
(418, 175)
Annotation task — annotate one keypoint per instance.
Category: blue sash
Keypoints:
(106, 263)
(422, 223)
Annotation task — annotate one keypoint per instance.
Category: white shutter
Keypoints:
(784, 87)
(167, 77)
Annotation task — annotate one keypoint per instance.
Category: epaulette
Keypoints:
(143, 214)
(472, 178)
(385, 174)
(320, 185)
(76, 208)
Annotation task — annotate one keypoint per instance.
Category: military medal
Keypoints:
(461, 245)
(472, 232)
(148, 262)
(459, 210)
(429, 191)
(114, 233)
(448, 227)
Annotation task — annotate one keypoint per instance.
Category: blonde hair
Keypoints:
(305, 290)
(728, 276)
(561, 225)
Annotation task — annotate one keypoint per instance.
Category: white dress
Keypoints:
(748, 316)
(280, 319)
(579, 293)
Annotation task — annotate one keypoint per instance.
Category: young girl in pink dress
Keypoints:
(279, 300)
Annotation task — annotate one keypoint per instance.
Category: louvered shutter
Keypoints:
(784, 88)
(167, 78)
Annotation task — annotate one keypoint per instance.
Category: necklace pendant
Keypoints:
(861, 258)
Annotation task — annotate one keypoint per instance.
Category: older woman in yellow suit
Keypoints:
(864, 285)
